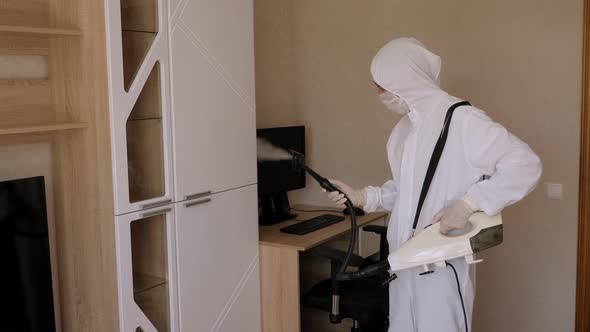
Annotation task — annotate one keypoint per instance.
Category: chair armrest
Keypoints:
(338, 256)
(381, 230)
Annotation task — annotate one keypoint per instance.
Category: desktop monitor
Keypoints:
(276, 178)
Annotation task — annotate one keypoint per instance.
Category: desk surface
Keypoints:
(272, 235)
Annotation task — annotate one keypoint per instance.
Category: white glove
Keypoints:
(456, 215)
(358, 198)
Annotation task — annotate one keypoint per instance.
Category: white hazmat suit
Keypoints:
(481, 159)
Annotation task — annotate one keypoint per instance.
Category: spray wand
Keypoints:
(267, 151)
(299, 163)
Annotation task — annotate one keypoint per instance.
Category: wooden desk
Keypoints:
(279, 266)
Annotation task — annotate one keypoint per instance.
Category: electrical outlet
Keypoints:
(554, 190)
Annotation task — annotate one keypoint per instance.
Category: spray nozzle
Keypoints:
(299, 164)
(298, 160)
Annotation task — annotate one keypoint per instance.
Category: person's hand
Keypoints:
(358, 198)
(455, 216)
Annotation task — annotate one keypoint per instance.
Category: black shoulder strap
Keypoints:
(436, 154)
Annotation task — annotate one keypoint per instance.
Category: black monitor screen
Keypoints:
(279, 176)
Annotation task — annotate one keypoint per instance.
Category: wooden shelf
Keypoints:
(154, 302)
(41, 128)
(39, 31)
(142, 283)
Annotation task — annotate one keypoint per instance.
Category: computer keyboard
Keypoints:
(312, 224)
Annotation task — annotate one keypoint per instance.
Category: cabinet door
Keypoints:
(141, 138)
(218, 278)
(146, 270)
(212, 60)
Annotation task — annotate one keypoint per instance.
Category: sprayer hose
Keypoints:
(353, 234)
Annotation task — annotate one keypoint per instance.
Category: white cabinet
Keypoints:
(139, 96)
(181, 92)
(146, 269)
(212, 52)
(218, 273)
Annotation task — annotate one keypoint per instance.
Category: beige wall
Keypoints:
(518, 60)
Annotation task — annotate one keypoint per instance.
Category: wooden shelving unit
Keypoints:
(39, 30)
(42, 128)
(71, 35)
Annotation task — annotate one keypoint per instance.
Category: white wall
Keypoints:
(519, 61)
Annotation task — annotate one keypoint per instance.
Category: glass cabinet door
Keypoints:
(145, 151)
(139, 100)
(146, 270)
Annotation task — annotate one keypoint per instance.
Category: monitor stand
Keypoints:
(274, 208)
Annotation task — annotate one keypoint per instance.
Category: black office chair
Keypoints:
(365, 301)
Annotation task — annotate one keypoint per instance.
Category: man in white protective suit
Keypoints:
(483, 168)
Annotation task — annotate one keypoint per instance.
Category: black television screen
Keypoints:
(25, 281)
(279, 176)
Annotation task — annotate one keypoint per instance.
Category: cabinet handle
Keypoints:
(198, 195)
(155, 213)
(154, 204)
(201, 202)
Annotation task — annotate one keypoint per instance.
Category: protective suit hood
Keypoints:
(405, 67)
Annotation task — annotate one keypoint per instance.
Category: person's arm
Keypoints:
(381, 197)
(369, 198)
(513, 168)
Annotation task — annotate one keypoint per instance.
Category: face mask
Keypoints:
(394, 103)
